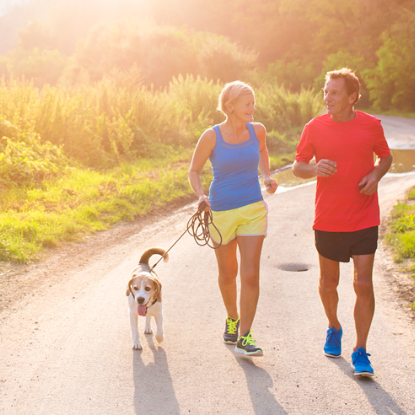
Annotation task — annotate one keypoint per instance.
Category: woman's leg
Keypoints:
(228, 270)
(250, 248)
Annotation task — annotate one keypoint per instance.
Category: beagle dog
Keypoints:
(144, 297)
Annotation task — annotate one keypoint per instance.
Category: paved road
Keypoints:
(399, 131)
(65, 348)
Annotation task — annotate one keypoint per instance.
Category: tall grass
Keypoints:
(101, 124)
(75, 160)
(279, 109)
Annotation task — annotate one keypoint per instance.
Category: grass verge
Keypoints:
(401, 236)
(84, 201)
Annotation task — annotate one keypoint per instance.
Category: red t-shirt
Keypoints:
(339, 205)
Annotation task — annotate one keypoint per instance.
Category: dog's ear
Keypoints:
(158, 289)
(127, 293)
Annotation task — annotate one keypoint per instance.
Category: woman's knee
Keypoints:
(250, 279)
(228, 274)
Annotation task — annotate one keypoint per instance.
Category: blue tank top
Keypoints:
(235, 172)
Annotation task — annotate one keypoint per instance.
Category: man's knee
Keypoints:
(328, 282)
(363, 287)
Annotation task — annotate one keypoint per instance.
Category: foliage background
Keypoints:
(290, 42)
(102, 101)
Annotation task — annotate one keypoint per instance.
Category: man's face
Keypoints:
(336, 98)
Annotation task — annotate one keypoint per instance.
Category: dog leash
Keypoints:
(197, 227)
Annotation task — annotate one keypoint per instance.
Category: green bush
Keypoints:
(221, 59)
(24, 161)
(392, 82)
(279, 109)
(294, 75)
(40, 66)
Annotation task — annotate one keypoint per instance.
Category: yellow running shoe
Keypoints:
(230, 335)
(246, 345)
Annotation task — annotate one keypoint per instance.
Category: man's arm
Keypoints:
(369, 184)
(324, 168)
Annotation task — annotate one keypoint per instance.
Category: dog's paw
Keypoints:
(137, 346)
(159, 337)
(148, 330)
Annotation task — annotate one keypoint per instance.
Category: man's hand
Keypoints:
(368, 185)
(325, 168)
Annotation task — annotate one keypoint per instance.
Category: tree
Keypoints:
(158, 53)
(392, 82)
(42, 66)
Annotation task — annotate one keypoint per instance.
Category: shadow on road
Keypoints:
(153, 385)
(260, 385)
(381, 401)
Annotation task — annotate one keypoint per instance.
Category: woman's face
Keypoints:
(244, 107)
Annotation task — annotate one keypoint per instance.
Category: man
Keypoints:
(346, 209)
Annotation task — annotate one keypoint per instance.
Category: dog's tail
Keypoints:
(149, 253)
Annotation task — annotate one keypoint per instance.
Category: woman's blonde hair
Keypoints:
(230, 93)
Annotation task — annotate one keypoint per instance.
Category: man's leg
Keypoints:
(327, 288)
(365, 298)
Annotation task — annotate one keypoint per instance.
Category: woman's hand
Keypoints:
(203, 199)
(271, 185)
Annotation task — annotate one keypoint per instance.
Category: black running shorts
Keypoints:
(340, 246)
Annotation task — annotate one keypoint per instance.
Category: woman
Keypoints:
(236, 148)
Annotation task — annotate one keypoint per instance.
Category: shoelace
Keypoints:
(335, 341)
(362, 357)
(248, 340)
(232, 325)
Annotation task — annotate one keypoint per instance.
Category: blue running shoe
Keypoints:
(333, 346)
(230, 335)
(361, 364)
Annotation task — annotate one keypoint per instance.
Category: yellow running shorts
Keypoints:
(249, 220)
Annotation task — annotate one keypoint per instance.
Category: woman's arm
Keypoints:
(204, 148)
(261, 134)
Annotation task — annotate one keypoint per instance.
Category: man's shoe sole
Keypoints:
(230, 341)
(257, 353)
(367, 374)
(332, 355)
